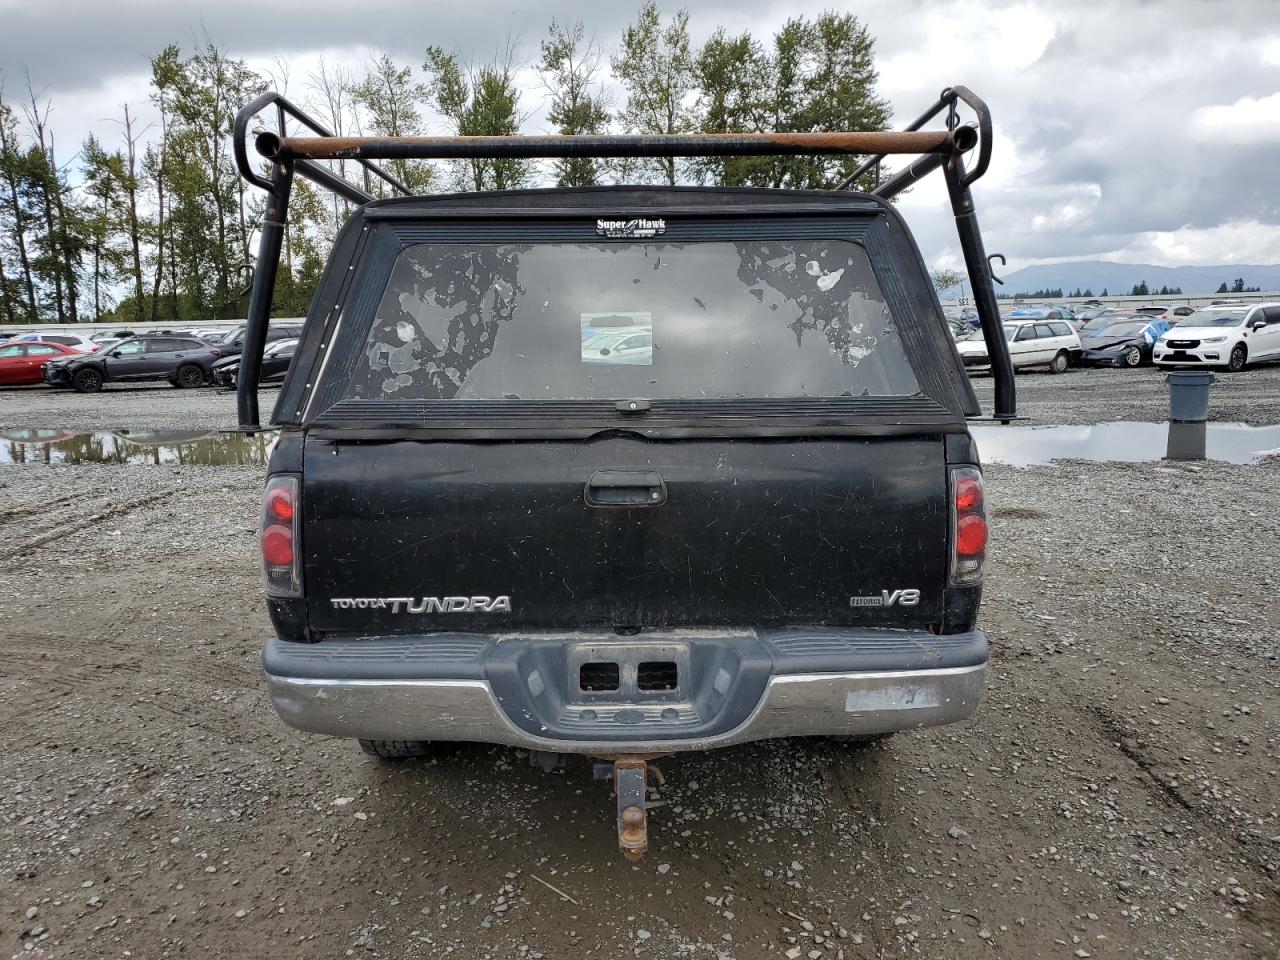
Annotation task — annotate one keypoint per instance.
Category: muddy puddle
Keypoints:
(144, 447)
(1120, 441)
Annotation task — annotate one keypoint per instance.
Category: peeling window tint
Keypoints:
(702, 320)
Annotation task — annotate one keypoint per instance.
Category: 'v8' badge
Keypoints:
(888, 598)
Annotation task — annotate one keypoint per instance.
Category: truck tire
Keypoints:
(861, 740)
(189, 375)
(397, 749)
(1060, 363)
(87, 381)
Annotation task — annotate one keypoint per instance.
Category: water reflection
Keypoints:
(145, 447)
(1120, 441)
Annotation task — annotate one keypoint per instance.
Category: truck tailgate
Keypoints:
(623, 532)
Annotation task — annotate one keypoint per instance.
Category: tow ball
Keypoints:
(630, 786)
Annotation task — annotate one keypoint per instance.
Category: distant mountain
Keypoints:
(1119, 278)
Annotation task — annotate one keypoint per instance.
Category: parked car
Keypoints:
(73, 340)
(1106, 317)
(1125, 342)
(23, 362)
(965, 315)
(233, 342)
(212, 335)
(102, 339)
(275, 364)
(1227, 336)
(184, 362)
(1177, 313)
(1050, 343)
(1046, 311)
(1088, 310)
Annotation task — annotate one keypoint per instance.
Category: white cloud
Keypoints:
(1246, 241)
(1250, 120)
(1090, 98)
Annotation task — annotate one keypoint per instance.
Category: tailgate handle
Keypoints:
(625, 488)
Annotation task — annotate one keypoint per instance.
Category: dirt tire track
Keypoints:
(81, 524)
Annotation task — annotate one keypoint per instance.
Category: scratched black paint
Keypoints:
(825, 502)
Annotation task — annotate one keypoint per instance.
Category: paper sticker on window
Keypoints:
(617, 338)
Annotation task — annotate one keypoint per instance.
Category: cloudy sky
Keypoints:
(1136, 131)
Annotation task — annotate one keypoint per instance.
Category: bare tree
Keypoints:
(48, 183)
(130, 184)
(331, 89)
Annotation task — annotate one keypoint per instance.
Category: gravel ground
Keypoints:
(1092, 395)
(1117, 794)
(141, 406)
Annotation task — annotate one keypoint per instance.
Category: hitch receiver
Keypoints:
(629, 783)
(631, 786)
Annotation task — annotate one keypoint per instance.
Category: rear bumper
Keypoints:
(735, 687)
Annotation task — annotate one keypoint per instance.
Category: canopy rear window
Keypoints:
(610, 320)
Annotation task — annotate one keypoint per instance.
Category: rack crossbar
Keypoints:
(283, 149)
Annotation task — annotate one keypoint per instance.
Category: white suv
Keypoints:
(1229, 336)
(1032, 343)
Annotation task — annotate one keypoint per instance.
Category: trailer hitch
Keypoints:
(630, 775)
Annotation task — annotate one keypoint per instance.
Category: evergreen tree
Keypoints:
(16, 218)
(103, 173)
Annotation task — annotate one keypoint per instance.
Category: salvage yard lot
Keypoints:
(1116, 795)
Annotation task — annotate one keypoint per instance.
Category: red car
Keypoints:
(24, 362)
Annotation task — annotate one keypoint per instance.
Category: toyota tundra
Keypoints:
(623, 471)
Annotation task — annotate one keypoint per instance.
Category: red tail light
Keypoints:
(277, 546)
(968, 494)
(968, 526)
(281, 553)
(280, 503)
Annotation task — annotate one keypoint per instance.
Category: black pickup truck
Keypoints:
(621, 472)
